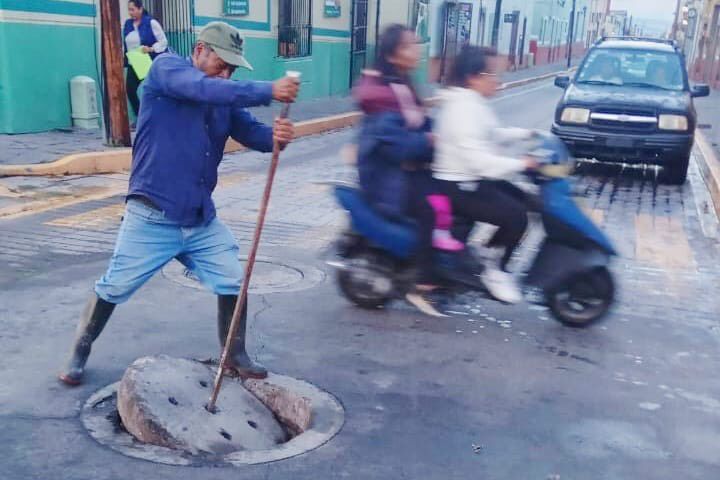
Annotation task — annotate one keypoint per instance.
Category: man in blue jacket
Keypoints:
(190, 108)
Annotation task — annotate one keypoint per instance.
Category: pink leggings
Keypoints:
(443, 211)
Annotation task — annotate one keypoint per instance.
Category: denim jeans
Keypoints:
(147, 241)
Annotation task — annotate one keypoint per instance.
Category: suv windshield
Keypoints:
(632, 67)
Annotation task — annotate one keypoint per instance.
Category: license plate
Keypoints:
(619, 142)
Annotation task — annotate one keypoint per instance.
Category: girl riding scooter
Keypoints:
(395, 149)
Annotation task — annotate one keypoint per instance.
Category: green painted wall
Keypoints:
(324, 73)
(37, 63)
(4, 83)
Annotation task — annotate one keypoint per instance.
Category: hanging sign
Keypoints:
(237, 7)
(332, 8)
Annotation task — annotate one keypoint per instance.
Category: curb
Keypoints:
(118, 160)
(709, 164)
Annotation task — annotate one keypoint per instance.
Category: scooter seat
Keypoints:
(397, 238)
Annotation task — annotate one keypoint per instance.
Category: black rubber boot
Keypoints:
(93, 320)
(238, 356)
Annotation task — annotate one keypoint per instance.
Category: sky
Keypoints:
(657, 15)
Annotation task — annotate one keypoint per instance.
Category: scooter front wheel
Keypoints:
(582, 299)
(365, 283)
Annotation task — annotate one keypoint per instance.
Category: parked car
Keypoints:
(630, 101)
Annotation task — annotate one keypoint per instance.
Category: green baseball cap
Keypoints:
(226, 41)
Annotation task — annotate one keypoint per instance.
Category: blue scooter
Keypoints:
(570, 273)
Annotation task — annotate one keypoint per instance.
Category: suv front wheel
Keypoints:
(675, 170)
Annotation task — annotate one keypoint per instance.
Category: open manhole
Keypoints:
(176, 429)
(269, 276)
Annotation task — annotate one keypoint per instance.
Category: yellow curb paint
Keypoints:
(6, 192)
(98, 219)
(106, 161)
(232, 179)
(662, 241)
(597, 216)
(104, 217)
(38, 206)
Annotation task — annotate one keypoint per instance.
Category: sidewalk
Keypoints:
(707, 141)
(37, 148)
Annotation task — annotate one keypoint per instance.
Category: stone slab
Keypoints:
(161, 401)
(293, 410)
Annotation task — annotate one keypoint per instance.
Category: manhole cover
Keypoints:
(101, 419)
(269, 276)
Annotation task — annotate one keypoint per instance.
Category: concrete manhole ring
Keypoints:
(101, 419)
(269, 276)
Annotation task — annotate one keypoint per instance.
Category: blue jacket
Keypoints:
(388, 149)
(184, 123)
(147, 37)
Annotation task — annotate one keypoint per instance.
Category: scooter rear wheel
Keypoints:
(583, 299)
(365, 283)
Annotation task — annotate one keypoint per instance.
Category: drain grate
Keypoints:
(102, 421)
(269, 276)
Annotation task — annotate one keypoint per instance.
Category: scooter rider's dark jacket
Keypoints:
(393, 141)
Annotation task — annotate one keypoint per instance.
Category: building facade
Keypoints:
(597, 19)
(551, 29)
(705, 58)
(525, 32)
(45, 43)
(617, 22)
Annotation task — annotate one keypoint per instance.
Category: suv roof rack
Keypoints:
(665, 41)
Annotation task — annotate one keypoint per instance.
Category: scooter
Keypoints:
(570, 273)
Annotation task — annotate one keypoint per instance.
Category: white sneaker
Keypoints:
(501, 285)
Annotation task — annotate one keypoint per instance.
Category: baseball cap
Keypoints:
(226, 41)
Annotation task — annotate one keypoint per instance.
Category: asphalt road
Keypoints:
(492, 392)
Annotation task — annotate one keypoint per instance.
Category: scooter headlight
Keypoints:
(575, 115)
(673, 122)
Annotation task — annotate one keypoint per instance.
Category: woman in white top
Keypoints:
(471, 167)
(141, 31)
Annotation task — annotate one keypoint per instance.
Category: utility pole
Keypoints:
(496, 24)
(377, 27)
(673, 35)
(480, 30)
(115, 112)
(571, 34)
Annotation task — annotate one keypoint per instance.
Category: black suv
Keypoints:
(630, 101)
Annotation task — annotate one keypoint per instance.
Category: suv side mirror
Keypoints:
(563, 81)
(700, 90)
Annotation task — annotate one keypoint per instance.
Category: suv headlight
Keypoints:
(575, 115)
(673, 122)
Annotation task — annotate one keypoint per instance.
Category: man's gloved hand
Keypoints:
(286, 89)
(283, 132)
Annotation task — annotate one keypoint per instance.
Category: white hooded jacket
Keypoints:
(468, 140)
